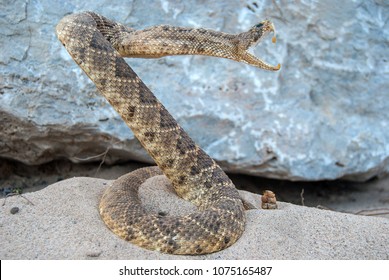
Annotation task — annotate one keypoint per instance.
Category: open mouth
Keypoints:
(263, 29)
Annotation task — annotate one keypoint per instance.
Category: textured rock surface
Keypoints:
(324, 116)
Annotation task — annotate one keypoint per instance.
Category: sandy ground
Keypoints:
(61, 221)
(369, 198)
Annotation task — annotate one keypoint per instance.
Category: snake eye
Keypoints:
(259, 25)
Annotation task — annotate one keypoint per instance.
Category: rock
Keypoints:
(71, 228)
(323, 116)
(14, 210)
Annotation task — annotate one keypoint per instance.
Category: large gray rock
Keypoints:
(323, 116)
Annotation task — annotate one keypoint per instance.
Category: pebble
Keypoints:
(14, 210)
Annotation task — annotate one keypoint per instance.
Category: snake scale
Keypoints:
(98, 46)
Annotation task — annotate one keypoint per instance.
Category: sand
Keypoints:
(62, 222)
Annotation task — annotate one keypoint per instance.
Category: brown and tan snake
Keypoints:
(98, 46)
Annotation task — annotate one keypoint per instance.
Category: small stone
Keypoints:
(269, 200)
(14, 210)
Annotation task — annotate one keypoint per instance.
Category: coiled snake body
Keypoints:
(98, 44)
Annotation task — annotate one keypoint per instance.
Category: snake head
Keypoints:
(263, 28)
(251, 38)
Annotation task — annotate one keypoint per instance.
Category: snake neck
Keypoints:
(166, 40)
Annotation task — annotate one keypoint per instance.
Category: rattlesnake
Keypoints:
(98, 44)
